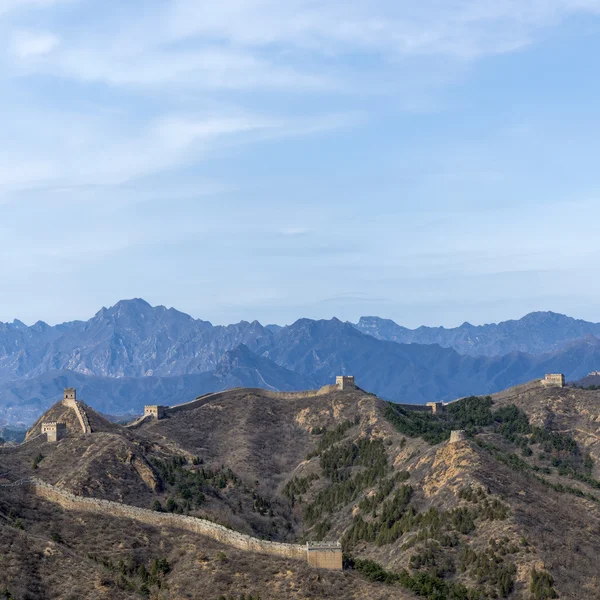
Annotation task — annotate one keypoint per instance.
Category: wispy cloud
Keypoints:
(81, 152)
(121, 117)
(465, 28)
(26, 44)
(294, 231)
(240, 44)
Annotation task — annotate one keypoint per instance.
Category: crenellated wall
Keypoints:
(80, 412)
(201, 400)
(200, 526)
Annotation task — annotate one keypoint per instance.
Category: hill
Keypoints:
(512, 511)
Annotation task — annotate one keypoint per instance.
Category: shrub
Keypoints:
(37, 460)
(542, 585)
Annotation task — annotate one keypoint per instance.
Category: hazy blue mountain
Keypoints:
(535, 333)
(417, 372)
(22, 401)
(133, 354)
(412, 373)
(130, 339)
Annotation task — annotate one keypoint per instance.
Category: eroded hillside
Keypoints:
(512, 511)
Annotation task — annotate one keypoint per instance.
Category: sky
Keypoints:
(428, 161)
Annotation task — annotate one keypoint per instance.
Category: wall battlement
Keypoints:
(345, 382)
(156, 411)
(436, 407)
(54, 430)
(70, 400)
(324, 555)
(554, 380)
(328, 560)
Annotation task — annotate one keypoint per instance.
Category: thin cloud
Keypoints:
(106, 154)
(27, 44)
(297, 44)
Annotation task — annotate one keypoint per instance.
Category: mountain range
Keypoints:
(535, 333)
(133, 354)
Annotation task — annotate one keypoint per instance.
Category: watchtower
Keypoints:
(436, 407)
(70, 394)
(325, 555)
(345, 382)
(554, 380)
(54, 431)
(457, 436)
(155, 410)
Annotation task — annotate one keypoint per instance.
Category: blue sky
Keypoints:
(431, 162)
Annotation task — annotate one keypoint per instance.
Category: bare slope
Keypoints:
(516, 505)
(50, 554)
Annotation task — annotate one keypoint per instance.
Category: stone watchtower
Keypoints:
(70, 394)
(325, 555)
(156, 411)
(345, 382)
(54, 431)
(436, 407)
(554, 380)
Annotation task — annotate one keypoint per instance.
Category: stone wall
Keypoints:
(80, 412)
(199, 401)
(415, 407)
(554, 379)
(325, 556)
(457, 436)
(54, 431)
(200, 526)
(10, 447)
(155, 410)
(345, 382)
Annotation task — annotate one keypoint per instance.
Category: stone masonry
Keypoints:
(554, 380)
(70, 400)
(54, 430)
(325, 555)
(345, 382)
(436, 407)
(457, 436)
(329, 559)
(155, 410)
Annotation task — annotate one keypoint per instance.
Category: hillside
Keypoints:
(515, 506)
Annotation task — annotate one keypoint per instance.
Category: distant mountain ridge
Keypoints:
(133, 354)
(535, 333)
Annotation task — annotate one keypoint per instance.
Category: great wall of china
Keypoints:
(157, 411)
(325, 555)
(320, 555)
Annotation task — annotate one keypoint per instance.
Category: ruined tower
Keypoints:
(457, 436)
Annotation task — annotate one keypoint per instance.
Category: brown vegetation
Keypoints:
(501, 514)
